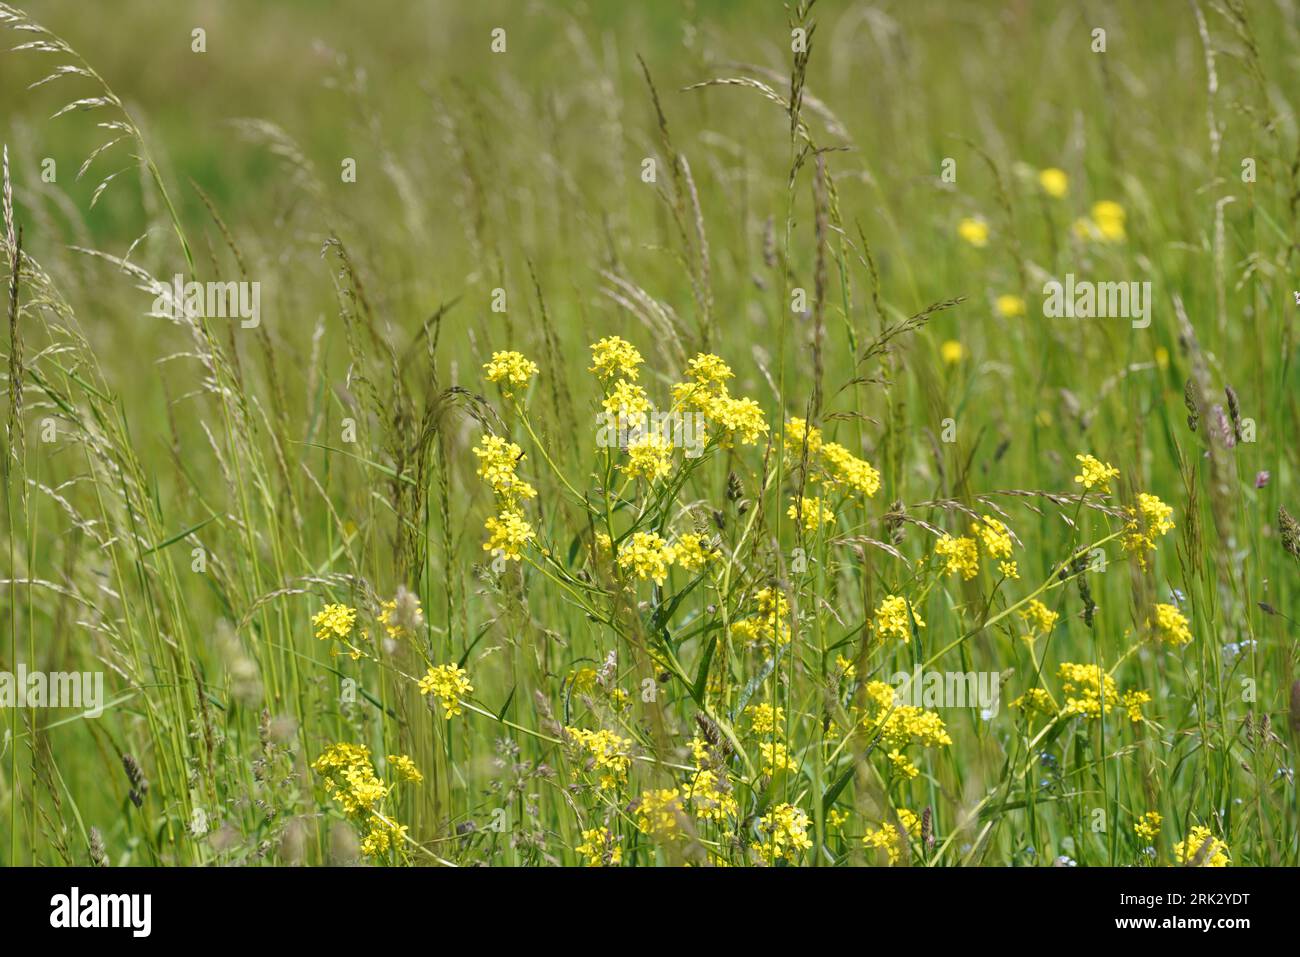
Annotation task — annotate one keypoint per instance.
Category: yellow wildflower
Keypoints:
(1171, 625)
(510, 368)
(993, 535)
(334, 621)
(1093, 471)
(508, 533)
(782, 834)
(599, 848)
(447, 683)
(648, 555)
(659, 814)
(613, 356)
(961, 556)
(892, 618)
(1009, 306)
(609, 755)
(405, 768)
(1202, 848)
(1147, 826)
(1054, 182)
(813, 512)
(974, 231)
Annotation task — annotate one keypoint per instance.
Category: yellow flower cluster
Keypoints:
(334, 621)
(649, 456)
(765, 718)
(1147, 826)
(894, 616)
(498, 460)
(831, 464)
(961, 556)
(609, 755)
(706, 392)
(903, 764)
(659, 813)
(599, 848)
(770, 624)
(1089, 691)
(910, 820)
(626, 400)
(993, 535)
(884, 838)
(510, 368)
(1106, 224)
(648, 555)
(1133, 702)
(508, 531)
(708, 793)
(887, 837)
(1010, 306)
(812, 511)
(350, 780)
(1039, 617)
(613, 356)
(398, 622)
(447, 683)
(1034, 700)
(405, 768)
(774, 758)
(1093, 471)
(783, 834)
(1143, 523)
(1171, 625)
(1202, 848)
(903, 724)
(691, 552)
(350, 777)
(1054, 182)
(382, 835)
(508, 534)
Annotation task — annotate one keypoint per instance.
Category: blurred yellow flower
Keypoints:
(1010, 307)
(1054, 182)
(1106, 224)
(974, 231)
(952, 352)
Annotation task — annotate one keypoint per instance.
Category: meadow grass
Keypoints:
(826, 231)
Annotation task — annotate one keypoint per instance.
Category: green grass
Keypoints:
(182, 497)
